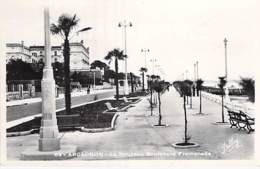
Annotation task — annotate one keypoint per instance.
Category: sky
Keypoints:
(177, 32)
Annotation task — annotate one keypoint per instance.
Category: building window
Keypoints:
(55, 53)
(34, 54)
(55, 59)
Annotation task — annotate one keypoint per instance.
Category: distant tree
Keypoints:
(58, 71)
(121, 75)
(158, 86)
(64, 27)
(143, 70)
(221, 84)
(19, 70)
(248, 85)
(117, 54)
(109, 74)
(199, 83)
(99, 64)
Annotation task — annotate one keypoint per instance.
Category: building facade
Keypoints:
(18, 51)
(79, 54)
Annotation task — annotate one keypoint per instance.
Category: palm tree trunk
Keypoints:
(191, 101)
(185, 116)
(143, 81)
(160, 115)
(132, 85)
(222, 100)
(151, 101)
(116, 79)
(66, 54)
(200, 102)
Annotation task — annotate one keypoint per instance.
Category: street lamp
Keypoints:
(153, 61)
(124, 25)
(194, 72)
(197, 63)
(225, 44)
(186, 74)
(145, 50)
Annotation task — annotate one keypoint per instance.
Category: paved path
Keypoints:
(136, 138)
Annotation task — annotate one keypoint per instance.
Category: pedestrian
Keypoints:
(88, 90)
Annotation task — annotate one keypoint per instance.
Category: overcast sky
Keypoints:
(178, 33)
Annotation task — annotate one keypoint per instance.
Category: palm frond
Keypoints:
(84, 29)
(143, 69)
(55, 29)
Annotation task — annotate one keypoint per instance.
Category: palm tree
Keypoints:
(222, 83)
(131, 82)
(199, 83)
(143, 70)
(248, 85)
(64, 27)
(118, 55)
(148, 82)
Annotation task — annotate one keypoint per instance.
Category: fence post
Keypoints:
(56, 91)
(21, 91)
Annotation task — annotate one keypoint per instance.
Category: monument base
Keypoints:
(49, 144)
(66, 152)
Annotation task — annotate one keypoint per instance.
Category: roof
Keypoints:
(16, 45)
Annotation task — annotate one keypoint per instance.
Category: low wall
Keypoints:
(228, 104)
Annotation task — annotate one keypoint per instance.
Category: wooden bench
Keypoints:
(241, 121)
(110, 108)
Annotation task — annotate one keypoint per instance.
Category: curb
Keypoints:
(97, 130)
(195, 145)
(28, 118)
(20, 133)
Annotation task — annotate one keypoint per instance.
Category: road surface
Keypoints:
(20, 111)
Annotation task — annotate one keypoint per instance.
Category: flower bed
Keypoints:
(135, 94)
(91, 116)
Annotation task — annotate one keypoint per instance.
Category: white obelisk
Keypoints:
(49, 132)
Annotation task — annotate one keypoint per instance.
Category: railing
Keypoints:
(228, 104)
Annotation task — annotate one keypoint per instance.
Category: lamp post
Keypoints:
(225, 44)
(145, 50)
(186, 74)
(124, 25)
(194, 72)
(153, 61)
(197, 66)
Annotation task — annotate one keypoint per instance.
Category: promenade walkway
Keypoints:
(135, 136)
